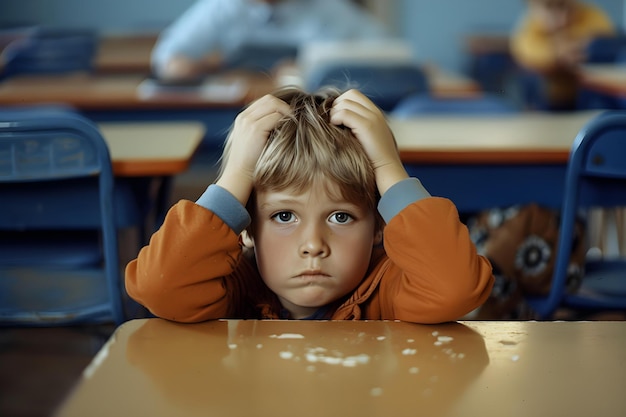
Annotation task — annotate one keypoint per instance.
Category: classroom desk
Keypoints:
(152, 367)
(606, 78)
(121, 92)
(603, 85)
(146, 156)
(151, 149)
(482, 162)
(118, 97)
(125, 53)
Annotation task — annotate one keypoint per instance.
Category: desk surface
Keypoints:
(369, 368)
(121, 92)
(125, 53)
(151, 149)
(605, 78)
(506, 139)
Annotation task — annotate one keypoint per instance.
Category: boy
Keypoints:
(309, 169)
(551, 39)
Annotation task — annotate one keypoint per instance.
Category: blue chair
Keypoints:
(596, 177)
(425, 104)
(59, 261)
(607, 49)
(260, 57)
(51, 51)
(385, 84)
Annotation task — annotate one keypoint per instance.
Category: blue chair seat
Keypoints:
(44, 296)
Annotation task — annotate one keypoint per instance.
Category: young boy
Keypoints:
(550, 40)
(299, 190)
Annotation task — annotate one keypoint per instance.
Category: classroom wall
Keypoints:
(435, 28)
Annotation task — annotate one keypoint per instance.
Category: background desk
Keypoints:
(146, 156)
(151, 149)
(126, 53)
(603, 86)
(307, 368)
(483, 162)
(116, 97)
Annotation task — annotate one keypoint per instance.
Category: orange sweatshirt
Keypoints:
(429, 272)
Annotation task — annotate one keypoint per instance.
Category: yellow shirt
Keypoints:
(532, 47)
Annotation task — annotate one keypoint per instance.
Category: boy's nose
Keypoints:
(314, 242)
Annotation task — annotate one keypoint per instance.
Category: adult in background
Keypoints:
(211, 33)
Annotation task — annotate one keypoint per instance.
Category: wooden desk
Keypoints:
(483, 162)
(609, 79)
(603, 86)
(153, 367)
(121, 92)
(151, 149)
(446, 84)
(125, 53)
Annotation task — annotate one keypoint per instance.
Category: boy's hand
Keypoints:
(247, 140)
(367, 122)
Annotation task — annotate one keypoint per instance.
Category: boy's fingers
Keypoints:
(266, 105)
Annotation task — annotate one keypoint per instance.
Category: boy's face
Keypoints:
(312, 248)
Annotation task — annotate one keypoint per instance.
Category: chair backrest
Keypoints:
(595, 178)
(54, 166)
(51, 51)
(425, 104)
(261, 57)
(386, 84)
(607, 49)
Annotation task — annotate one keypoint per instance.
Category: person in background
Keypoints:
(310, 186)
(550, 41)
(211, 32)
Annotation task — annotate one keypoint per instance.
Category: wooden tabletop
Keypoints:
(507, 139)
(151, 149)
(605, 78)
(153, 367)
(123, 92)
(125, 53)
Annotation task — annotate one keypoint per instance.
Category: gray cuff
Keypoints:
(399, 196)
(226, 207)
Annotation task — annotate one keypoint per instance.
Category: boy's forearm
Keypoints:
(440, 276)
(179, 275)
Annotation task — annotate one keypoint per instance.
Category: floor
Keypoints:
(40, 366)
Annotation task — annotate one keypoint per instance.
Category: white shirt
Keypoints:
(224, 26)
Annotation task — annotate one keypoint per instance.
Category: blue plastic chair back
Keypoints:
(49, 51)
(56, 267)
(607, 49)
(260, 57)
(425, 104)
(596, 177)
(385, 84)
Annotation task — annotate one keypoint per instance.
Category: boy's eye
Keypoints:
(284, 217)
(341, 218)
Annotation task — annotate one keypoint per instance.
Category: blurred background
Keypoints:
(437, 30)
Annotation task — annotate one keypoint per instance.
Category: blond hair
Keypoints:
(305, 148)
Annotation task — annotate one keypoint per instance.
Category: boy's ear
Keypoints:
(247, 240)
